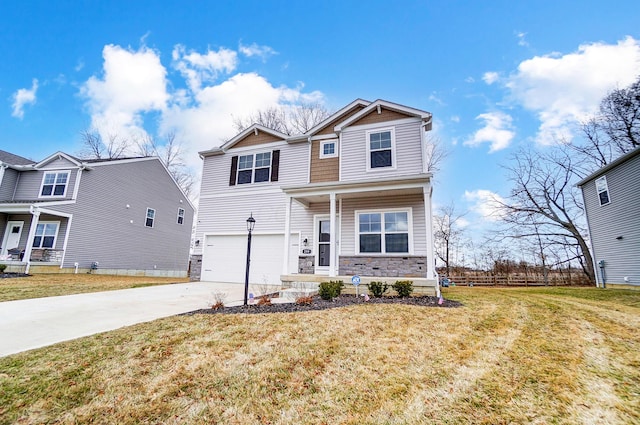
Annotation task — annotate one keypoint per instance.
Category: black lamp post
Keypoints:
(251, 222)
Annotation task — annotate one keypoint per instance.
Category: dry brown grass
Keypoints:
(49, 285)
(520, 356)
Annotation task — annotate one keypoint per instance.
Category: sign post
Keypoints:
(356, 281)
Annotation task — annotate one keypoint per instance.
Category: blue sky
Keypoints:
(496, 74)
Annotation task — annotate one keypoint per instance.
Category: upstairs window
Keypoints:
(180, 215)
(328, 149)
(54, 184)
(380, 149)
(254, 168)
(151, 217)
(603, 190)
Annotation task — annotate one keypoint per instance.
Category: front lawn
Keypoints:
(50, 285)
(517, 356)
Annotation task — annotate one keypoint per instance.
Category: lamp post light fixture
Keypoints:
(251, 222)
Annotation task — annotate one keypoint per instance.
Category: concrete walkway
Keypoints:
(34, 323)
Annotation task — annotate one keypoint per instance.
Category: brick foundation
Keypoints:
(195, 268)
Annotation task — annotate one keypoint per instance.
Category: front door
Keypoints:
(12, 236)
(323, 244)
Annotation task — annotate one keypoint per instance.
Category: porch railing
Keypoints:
(45, 255)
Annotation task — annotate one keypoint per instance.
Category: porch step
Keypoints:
(298, 290)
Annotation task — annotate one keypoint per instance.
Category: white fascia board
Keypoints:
(247, 131)
(389, 105)
(337, 114)
(57, 155)
(354, 187)
(121, 161)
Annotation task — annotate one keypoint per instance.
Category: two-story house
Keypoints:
(612, 204)
(121, 216)
(351, 196)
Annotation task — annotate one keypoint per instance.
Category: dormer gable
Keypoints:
(59, 160)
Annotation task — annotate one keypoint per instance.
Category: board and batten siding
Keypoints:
(108, 223)
(621, 217)
(8, 187)
(418, 230)
(223, 209)
(408, 154)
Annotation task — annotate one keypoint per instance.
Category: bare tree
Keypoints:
(447, 233)
(436, 153)
(545, 204)
(94, 146)
(287, 119)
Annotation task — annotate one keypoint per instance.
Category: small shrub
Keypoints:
(217, 305)
(304, 300)
(404, 288)
(2, 268)
(330, 290)
(264, 300)
(378, 288)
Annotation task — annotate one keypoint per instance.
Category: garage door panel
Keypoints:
(224, 258)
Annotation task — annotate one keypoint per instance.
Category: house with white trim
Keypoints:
(351, 196)
(66, 215)
(612, 204)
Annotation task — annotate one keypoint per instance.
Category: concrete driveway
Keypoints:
(34, 323)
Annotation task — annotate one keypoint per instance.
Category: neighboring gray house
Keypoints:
(351, 196)
(612, 202)
(121, 216)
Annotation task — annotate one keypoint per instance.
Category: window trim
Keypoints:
(392, 130)
(55, 173)
(153, 219)
(382, 212)
(180, 218)
(55, 237)
(335, 148)
(254, 168)
(602, 187)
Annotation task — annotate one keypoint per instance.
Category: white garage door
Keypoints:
(225, 256)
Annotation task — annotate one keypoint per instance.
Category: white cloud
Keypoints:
(521, 39)
(497, 131)
(455, 118)
(203, 68)
(254, 49)
(485, 203)
(490, 77)
(24, 97)
(565, 89)
(134, 82)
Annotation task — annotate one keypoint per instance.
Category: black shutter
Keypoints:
(234, 170)
(275, 165)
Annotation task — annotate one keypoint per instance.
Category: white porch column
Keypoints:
(428, 214)
(35, 212)
(332, 232)
(287, 233)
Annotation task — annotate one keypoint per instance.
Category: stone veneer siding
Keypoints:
(195, 268)
(306, 264)
(409, 266)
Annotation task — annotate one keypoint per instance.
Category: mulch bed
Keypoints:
(10, 275)
(320, 304)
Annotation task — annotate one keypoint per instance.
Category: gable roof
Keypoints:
(254, 128)
(11, 159)
(356, 103)
(609, 166)
(378, 104)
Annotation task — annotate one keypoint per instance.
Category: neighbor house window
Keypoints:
(54, 183)
(383, 232)
(151, 217)
(603, 190)
(180, 215)
(328, 149)
(46, 233)
(380, 149)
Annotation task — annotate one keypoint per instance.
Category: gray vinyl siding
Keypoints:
(621, 217)
(9, 180)
(224, 209)
(30, 183)
(108, 223)
(353, 152)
